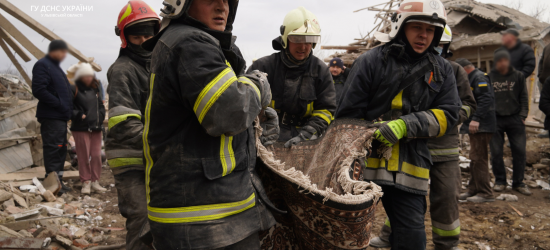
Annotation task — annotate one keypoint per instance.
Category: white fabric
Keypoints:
(81, 69)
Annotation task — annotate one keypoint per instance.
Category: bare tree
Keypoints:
(539, 10)
(515, 4)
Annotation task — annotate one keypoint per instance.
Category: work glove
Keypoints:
(270, 127)
(306, 133)
(389, 132)
(260, 80)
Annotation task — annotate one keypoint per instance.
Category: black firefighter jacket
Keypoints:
(485, 98)
(445, 148)
(199, 142)
(383, 83)
(302, 94)
(339, 83)
(128, 89)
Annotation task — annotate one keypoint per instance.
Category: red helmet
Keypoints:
(135, 11)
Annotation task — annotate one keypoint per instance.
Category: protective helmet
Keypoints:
(136, 11)
(174, 9)
(426, 11)
(447, 36)
(300, 26)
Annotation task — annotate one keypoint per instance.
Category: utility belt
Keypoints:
(292, 120)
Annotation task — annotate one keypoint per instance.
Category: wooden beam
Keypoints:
(48, 34)
(15, 62)
(8, 39)
(37, 53)
(343, 47)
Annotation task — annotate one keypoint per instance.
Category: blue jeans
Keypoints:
(515, 130)
(406, 213)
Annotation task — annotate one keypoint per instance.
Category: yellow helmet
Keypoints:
(300, 26)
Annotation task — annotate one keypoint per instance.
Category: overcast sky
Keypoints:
(257, 23)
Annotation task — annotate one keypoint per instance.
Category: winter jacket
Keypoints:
(339, 83)
(445, 148)
(544, 64)
(87, 101)
(302, 94)
(385, 83)
(200, 142)
(522, 58)
(485, 98)
(52, 89)
(128, 90)
(511, 96)
(544, 104)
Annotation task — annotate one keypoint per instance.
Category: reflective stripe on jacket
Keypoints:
(199, 142)
(445, 148)
(128, 89)
(386, 82)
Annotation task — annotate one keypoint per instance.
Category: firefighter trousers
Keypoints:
(132, 203)
(445, 186)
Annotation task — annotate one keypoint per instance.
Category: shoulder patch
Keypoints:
(482, 84)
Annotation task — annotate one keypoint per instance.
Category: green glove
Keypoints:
(390, 132)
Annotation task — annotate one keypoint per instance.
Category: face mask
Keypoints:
(439, 50)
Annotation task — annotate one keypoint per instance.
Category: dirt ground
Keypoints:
(483, 226)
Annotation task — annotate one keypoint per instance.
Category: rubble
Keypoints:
(507, 197)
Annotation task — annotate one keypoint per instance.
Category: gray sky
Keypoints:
(257, 23)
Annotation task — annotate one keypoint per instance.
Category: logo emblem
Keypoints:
(434, 5)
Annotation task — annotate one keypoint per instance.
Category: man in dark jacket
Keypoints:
(301, 84)
(407, 84)
(339, 75)
(480, 127)
(512, 107)
(55, 106)
(522, 56)
(128, 91)
(445, 179)
(544, 65)
(199, 142)
(544, 104)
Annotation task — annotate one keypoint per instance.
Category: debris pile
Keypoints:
(31, 215)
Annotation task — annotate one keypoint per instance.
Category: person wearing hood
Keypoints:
(413, 91)
(301, 84)
(128, 90)
(87, 126)
(339, 75)
(203, 191)
(512, 108)
(445, 178)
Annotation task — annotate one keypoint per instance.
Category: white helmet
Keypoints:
(447, 36)
(426, 11)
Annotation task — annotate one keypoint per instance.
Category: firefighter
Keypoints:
(301, 84)
(413, 90)
(445, 173)
(128, 90)
(202, 188)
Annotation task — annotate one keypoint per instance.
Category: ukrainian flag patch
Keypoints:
(482, 84)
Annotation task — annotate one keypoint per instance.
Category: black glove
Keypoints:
(306, 133)
(270, 127)
(260, 80)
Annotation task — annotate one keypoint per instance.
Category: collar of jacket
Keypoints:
(142, 61)
(52, 60)
(225, 37)
(518, 43)
(397, 49)
(83, 87)
(511, 70)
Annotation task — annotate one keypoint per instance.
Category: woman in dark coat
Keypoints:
(87, 125)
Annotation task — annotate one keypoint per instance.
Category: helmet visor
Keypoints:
(304, 39)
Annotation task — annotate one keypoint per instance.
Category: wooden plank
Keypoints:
(12, 30)
(40, 173)
(18, 109)
(48, 34)
(4, 35)
(15, 62)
